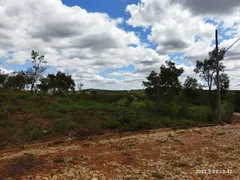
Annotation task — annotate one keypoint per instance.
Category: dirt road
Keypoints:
(199, 153)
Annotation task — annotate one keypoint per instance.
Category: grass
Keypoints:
(24, 116)
(33, 133)
(61, 125)
(112, 124)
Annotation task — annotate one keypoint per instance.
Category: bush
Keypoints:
(112, 124)
(201, 113)
(126, 117)
(123, 102)
(33, 133)
(138, 105)
(163, 109)
(227, 110)
(61, 125)
(141, 124)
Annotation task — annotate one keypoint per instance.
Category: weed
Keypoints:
(61, 125)
(7, 123)
(33, 133)
(112, 124)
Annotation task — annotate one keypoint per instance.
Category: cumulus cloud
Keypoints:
(188, 27)
(85, 43)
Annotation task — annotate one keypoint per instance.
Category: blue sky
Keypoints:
(96, 49)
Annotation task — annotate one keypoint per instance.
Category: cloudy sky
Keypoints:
(114, 44)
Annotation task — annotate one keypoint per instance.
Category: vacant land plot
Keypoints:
(198, 153)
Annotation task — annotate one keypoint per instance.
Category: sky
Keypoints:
(115, 44)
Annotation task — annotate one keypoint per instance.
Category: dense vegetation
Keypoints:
(53, 108)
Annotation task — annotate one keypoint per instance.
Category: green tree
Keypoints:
(191, 84)
(3, 79)
(17, 81)
(207, 69)
(64, 83)
(38, 68)
(164, 84)
(224, 82)
(44, 85)
(191, 88)
(168, 78)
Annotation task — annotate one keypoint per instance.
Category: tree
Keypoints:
(191, 84)
(3, 79)
(166, 83)
(38, 68)
(64, 83)
(60, 83)
(224, 82)
(17, 81)
(207, 69)
(45, 85)
(168, 78)
(152, 85)
(80, 85)
(190, 87)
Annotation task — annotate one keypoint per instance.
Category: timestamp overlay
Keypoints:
(214, 171)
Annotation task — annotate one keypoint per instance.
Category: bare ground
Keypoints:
(198, 153)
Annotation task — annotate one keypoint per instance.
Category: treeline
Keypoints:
(34, 79)
(171, 98)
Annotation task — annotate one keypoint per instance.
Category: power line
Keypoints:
(232, 44)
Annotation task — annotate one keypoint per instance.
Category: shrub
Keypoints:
(141, 124)
(33, 133)
(138, 105)
(227, 110)
(123, 102)
(112, 124)
(201, 113)
(61, 125)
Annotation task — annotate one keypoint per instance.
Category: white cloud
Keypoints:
(84, 44)
(185, 26)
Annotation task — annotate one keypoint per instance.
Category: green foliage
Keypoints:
(224, 82)
(165, 84)
(3, 79)
(59, 84)
(207, 68)
(38, 68)
(236, 101)
(7, 123)
(16, 81)
(61, 125)
(227, 110)
(201, 114)
(112, 124)
(139, 105)
(44, 86)
(122, 102)
(32, 132)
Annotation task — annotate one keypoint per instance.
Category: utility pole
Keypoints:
(218, 81)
